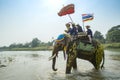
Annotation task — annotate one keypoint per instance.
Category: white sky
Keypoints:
(23, 20)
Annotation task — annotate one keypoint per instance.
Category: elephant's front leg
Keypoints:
(71, 62)
(68, 65)
(75, 64)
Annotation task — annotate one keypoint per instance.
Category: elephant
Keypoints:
(59, 45)
(94, 56)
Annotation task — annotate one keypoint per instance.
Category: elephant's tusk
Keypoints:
(50, 58)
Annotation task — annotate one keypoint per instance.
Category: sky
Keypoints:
(23, 20)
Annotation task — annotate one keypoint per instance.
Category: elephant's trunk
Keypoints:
(54, 55)
(53, 64)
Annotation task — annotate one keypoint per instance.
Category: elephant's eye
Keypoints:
(58, 44)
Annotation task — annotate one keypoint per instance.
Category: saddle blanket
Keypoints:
(60, 37)
(85, 47)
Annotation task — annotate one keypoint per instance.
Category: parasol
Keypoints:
(69, 9)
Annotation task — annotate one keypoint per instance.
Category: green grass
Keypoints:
(112, 46)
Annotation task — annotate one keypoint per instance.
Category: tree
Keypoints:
(113, 35)
(35, 42)
(12, 45)
(20, 45)
(49, 43)
(99, 36)
(26, 45)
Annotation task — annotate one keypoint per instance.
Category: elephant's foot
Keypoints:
(74, 64)
(95, 65)
(68, 70)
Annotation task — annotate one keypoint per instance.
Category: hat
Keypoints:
(87, 26)
(77, 25)
(73, 24)
(68, 25)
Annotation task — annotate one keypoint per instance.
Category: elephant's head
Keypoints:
(59, 45)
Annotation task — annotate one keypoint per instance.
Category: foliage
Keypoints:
(99, 36)
(35, 44)
(14, 45)
(113, 35)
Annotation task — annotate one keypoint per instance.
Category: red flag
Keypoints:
(69, 9)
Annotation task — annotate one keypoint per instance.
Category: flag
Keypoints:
(87, 17)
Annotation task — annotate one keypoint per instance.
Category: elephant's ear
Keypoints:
(64, 52)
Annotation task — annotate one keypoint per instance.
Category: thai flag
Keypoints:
(87, 17)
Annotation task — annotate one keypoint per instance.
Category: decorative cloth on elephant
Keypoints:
(60, 37)
(85, 47)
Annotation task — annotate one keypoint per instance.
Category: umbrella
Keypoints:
(69, 9)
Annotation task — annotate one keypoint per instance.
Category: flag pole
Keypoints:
(83, 26)
(70, 18)
(83, 23)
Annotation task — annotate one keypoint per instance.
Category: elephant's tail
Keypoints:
(103, 61)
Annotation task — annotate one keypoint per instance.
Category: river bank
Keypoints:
(112, 46)
(106, 46)
(27, 49)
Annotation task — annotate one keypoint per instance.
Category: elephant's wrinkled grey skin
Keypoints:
(73, 53)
